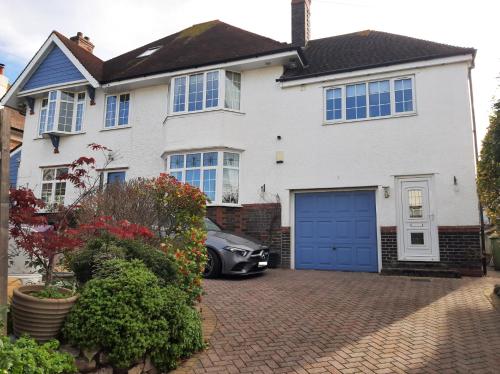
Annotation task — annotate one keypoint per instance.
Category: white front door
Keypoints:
(417, 229)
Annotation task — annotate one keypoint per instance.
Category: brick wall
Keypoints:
(459, 249)
(259, 221)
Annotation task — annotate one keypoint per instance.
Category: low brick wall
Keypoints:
(459, 250)
(259, 221)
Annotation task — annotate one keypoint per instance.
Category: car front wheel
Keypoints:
(213, 266)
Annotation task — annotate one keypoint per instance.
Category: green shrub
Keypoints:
(88, 261)
(125, 312)
(25, 356)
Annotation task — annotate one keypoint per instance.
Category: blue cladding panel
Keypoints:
(345, 221)
(56, 68)
(15, 159)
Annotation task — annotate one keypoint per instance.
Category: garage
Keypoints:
(336, 231)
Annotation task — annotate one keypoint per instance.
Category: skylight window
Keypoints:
(148, 52)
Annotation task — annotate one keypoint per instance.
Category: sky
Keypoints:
(118, 26)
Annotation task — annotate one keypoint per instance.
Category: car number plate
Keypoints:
(262, 263)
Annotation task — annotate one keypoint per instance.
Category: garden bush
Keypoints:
(25, 356)
(87, 261)
(125, 313)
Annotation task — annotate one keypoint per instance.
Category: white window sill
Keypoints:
(65, 134)
(409, 114)
(214, 110)
(116, 128)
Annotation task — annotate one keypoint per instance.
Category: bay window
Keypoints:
(216, 173)
(366, 100)
(62, 112)
(215, 89)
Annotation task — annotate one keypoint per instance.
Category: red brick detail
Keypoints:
(388, 229)
(459, 228)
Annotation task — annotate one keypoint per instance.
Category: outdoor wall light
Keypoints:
(387, 192)
(280, 157)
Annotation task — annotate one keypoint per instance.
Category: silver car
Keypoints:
(232, 254)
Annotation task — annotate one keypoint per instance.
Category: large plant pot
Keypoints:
(41, 319)
(495, 251)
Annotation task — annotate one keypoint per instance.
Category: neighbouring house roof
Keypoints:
(367, 49)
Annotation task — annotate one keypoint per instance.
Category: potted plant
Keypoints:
(40, 310)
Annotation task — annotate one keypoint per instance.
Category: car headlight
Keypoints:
(239, 251)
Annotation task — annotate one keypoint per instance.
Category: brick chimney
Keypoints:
(2, 66)
(301, 26)
(82, 41)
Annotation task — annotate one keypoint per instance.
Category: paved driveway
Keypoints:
(332, 322)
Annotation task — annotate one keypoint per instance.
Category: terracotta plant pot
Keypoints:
(41, 319)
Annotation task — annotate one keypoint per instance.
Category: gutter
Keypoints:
(476, 155)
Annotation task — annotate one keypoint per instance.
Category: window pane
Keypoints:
(61, 172)
(209, 183)
(212, 92)
(195, 92)
(403, 91)
(193, 160)
(415, 203)
(116, 177)
(417, 238)
(66, 111)
(179, 94)
(50, 116)
(193, 177)
(177, 175)
(60, 191)
(48, 174)
(210, 159)
(110, 111)
(356, 101)
(233, 90)
(43, 121)
(231, 159)
(124, 108)
(46, 192)
(380, 100)
(230, 185)
(176, 161)
(334, 104)
(79, 116)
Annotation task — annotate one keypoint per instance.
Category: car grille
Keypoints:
(262, 254)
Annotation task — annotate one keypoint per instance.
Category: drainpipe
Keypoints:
(476, 154)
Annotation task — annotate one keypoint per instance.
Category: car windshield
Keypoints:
(210, 226)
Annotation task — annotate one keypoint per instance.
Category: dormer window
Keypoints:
(206, 91)
(62, 112)
(148, 52)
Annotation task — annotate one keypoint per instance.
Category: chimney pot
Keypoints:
(2, 66)
(301, 26)
(82, 42)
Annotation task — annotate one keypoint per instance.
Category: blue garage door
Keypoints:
(336, 231)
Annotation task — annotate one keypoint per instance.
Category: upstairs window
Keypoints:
(366, 100)
(202, 91)
(403, 92)
(216, 173)
(62, 111)
(117, 110)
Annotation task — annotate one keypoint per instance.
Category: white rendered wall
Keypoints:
(437, 140)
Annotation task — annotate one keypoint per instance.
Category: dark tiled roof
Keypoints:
(203, 44)
(92, 63)
(367, 49)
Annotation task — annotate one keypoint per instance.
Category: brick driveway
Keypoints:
(332, 322)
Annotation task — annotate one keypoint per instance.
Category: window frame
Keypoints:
(221, 92)
(393, 114)
(58, 101)
(117, 111)
(53, 182)
(219, 171)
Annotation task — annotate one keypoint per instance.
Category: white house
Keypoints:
(353, 152)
